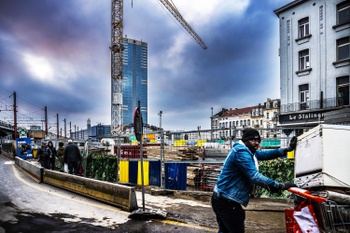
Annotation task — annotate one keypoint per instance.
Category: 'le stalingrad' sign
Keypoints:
(301, 117)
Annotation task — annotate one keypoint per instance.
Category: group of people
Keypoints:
(69, 156)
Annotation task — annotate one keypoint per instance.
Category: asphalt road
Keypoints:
(27, 206)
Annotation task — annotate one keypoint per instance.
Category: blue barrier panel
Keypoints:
(175, 176)
(133, 166)
(154, 173)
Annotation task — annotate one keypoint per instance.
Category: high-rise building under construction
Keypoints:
(135, 79)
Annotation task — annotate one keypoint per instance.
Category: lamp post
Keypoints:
(211, 125)
(161, 145)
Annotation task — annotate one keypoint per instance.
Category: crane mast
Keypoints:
(117, 57)
(117, 66)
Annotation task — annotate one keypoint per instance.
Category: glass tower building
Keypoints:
(134, 84)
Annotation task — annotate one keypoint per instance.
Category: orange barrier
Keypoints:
(306, 193)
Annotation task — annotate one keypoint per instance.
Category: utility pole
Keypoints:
(15, 115)
(46, 127)
(65, 128)
(57, 128)
(211, 125)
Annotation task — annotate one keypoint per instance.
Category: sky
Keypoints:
(56, 54)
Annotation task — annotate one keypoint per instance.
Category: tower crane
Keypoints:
(117, 57)
(173, 10)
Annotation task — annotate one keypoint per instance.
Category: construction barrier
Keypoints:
(33, 170)
(145, 173)
(114, 194)
(124, 171)
(130, 151)
(130, 172)
(175, 176)
(155, 173)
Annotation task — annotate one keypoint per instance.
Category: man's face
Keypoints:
(253, 145)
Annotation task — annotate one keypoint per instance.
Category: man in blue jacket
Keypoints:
(238, 178)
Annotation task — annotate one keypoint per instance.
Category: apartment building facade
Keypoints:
(229, 123)
(314, 61)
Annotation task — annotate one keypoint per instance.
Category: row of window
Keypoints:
(343, 52)
(343, 17)
(342, 45)
(342, 97)
(241, 123)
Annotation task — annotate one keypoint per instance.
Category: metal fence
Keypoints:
(199, 154)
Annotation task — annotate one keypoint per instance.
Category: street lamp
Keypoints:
(211, 125)
(161, 144)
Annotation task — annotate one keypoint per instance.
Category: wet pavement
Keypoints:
(26, 206)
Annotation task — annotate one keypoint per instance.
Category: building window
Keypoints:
(275, 116)
(343, 13)
(268, 104)
(275, 104)
(304, 27)
(248, 122)
(343, 48)
(304, 96)
(343, 91)
(304, 59)
(267, 115)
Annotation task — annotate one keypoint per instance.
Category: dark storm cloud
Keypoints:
(62, 32)
(72, 36)
(233, 67)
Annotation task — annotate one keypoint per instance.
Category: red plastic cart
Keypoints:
(314, 214)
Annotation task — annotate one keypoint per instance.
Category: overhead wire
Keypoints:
(28, 114)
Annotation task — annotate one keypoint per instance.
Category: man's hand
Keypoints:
(293, 143)
(286, 185)
(273, 189)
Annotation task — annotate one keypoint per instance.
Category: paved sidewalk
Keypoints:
(262, 214)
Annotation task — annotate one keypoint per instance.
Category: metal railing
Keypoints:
(312, 105)
(202, 154)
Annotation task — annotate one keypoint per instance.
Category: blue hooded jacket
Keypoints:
(239, 173)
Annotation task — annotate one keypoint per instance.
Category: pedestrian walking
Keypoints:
(72, 156)
(238, 178)
(60, 155)
(44, 154)
(53, 155)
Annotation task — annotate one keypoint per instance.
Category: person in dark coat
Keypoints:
(44, 154)
(60, 155)
(72, 156)
(53, 155)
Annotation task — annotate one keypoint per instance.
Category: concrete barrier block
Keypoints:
(33, 170)
(115, 194)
